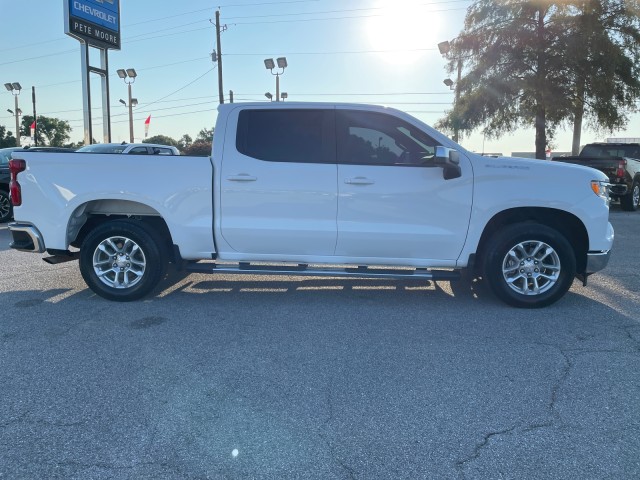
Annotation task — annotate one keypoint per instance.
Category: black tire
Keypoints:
(514, 269)
(630, 201)
(6, 209)
(131, 261)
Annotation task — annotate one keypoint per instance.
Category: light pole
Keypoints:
(129, 76)
(445, 48)
(15, 88)
(282, 64)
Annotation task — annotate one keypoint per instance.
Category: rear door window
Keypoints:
(286, 135)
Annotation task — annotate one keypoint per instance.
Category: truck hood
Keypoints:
(554, 169)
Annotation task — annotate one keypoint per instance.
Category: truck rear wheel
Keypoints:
(529, 265)
(630, 201)
(121, 261)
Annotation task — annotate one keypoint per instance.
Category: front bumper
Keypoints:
(597, 261)
(26, 238)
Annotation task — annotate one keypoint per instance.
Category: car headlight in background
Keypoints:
(601, 189)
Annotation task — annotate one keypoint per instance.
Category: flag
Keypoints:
(33, 130)
(146, 126)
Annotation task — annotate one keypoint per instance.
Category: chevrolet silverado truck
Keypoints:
(620, 162)
(316, 189)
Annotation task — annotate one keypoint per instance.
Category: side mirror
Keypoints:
(449, 160)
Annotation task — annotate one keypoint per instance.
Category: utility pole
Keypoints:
(456, 134)
(219, 57)
(35, 119)
(230, 96)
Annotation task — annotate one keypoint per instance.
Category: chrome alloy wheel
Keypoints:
(5, 207)
(119, 262)
(531, 267)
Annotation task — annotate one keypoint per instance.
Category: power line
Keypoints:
(185, 86)
(357, 94)
(336, 18)
(343, 10)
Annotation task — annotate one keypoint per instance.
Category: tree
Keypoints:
(185, 142)
(205, 135)
(543, 63)
(162, 140)
(199, 148)
(603, 61)
(6, 138)
(512, 64)
(49, 131)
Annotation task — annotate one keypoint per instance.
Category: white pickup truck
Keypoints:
(316, 189)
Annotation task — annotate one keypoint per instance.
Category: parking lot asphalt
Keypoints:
(236, 377)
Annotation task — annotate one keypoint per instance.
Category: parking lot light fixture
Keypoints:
(129, 76)
(284, 95)
(123, 102)
(15, 89)
(269, 96)
(282, 64)
(444, 47)
(268, 62)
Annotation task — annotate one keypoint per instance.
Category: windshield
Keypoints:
(5, 154)
(606, 151)
(102, 148)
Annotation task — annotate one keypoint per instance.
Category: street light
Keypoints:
(445, 48)
(15, 88)
(129, 76)
(284, 96)
(269, 96)
(270, 65)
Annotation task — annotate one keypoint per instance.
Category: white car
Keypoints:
(130, 148)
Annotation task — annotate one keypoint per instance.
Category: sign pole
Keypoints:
(106, 109)
(86, 93)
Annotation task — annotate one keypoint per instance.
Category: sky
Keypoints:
(364, 51)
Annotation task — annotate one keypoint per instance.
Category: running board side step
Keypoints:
(320, 271)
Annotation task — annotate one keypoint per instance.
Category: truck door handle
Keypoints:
(242, 177)
(359, 181)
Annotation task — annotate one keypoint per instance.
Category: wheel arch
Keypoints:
(89, 215)
(570, 226)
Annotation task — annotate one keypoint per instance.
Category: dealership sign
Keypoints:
(96, 22)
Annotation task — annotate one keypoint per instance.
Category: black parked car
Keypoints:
(6, 212)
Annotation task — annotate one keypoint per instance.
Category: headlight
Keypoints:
(601, 189)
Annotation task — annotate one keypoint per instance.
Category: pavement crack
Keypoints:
(349, 471)
(554, 415)
(635, 341)
(475, 454)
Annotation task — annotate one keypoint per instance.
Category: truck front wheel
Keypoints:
(121, 261)
(529, 265)
(631, 200)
